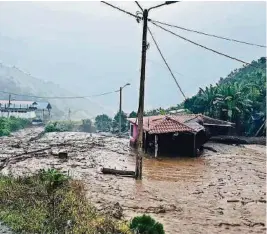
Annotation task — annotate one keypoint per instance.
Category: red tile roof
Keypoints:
(168, 125)
(176, 123)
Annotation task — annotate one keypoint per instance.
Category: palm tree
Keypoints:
(233, 103)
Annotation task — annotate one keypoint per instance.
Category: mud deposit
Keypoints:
(221, 192)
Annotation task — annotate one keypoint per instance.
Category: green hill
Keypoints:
(240, 98)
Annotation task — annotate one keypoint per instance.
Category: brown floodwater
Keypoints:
(223, 192)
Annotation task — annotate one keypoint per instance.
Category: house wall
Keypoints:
(133, 138)
(181, 145)
(135, 132)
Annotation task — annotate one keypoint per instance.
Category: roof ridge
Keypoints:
(182, 124)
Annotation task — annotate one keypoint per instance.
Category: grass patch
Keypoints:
(50, 202)
(8, 125)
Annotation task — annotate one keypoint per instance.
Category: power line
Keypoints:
(59, 97)
(139, 6)
(166, 62)
(208, 34)
(183, 28)
(207, 48)
(124, 11)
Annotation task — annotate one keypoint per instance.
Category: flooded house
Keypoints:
(182, 134)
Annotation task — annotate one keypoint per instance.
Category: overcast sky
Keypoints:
(90, 48)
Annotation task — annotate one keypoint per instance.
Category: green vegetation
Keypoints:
(239, 98)
(146, 225)
(51, 202)
(8, 125)
(104, 123)
(87, 126)
(59, 126)
(116, 122)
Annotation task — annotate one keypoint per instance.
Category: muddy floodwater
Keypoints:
(222, 192)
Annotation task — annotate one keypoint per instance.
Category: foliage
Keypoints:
(8, 125)
(103, 123)
(27, 206)
(116, 122)
(146, 225)
(59, 126)
(237, 98)
(52, 178)
(133, 114)
(86, 125)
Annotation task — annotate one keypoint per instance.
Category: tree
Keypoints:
(116, 122)
(133, 114)
(103, 123)
(237, 98)
(86, 125)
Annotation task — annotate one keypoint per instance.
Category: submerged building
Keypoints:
(181, 134)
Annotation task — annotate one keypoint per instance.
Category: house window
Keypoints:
(131, 130)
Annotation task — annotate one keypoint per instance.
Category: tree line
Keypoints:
(239, 98)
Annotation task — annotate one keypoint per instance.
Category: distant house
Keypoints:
(42, 110)
(25, 109)
(181, 134)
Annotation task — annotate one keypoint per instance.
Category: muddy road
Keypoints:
(223, 192)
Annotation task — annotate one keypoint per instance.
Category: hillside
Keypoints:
(14, 80)
(240, 98)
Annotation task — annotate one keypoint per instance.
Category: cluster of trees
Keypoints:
(104, 123)
(239, 98)
(8, 125)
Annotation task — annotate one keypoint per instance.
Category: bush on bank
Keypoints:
(8, 125)
(59, 126)
(50, 202)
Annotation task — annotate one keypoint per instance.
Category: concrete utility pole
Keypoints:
(139, 156)
(120, 112)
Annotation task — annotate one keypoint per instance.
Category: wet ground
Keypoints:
(223, 192)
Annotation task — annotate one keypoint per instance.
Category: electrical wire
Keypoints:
(183, 28)
(153, 38)
(195, 43)
(58, 97)
(139, 6)
(124, 11)
(207, 34)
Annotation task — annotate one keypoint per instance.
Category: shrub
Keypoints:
(51, 202)
(11, 124)
(59, 127)
(146, 225)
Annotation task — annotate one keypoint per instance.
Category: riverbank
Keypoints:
(222, 192)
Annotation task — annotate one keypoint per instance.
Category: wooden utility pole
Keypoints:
(139, 156)
(120, 111)
(9, 103)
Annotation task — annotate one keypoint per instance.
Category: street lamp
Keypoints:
(121, 104)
